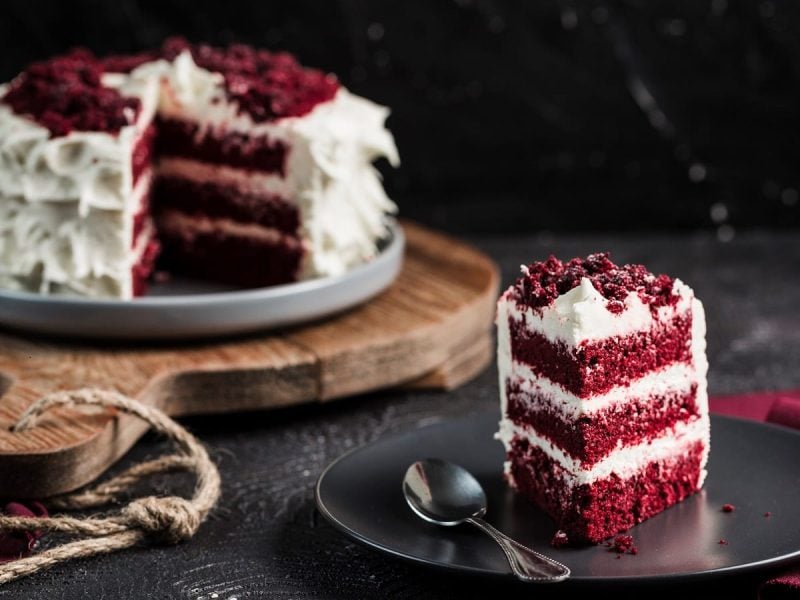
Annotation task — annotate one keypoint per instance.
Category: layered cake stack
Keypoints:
(603, 390)
(234, 164)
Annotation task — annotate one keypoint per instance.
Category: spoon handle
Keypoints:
(526, 564)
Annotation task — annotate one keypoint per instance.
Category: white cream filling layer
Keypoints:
(240, 179)
(191, 225)
(674, 379)
(148, 231)
(624, 462)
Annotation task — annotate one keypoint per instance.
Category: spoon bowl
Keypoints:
(443, 493)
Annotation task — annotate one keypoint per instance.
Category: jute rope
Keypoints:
(167, 520)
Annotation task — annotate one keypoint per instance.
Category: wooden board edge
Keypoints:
(459, 369)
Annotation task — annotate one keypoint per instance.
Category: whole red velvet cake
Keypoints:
(603, 390)
(234, 164)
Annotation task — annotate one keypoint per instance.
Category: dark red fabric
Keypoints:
(782, 408)
(756, 406)
(785, 411)
(17, 545)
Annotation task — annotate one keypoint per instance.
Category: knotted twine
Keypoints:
(168, 520)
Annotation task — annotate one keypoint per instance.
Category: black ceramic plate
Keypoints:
(753, 466)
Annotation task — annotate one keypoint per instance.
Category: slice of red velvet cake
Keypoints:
(244, 166)
(603, 391)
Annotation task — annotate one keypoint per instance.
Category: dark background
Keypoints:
(526, 116)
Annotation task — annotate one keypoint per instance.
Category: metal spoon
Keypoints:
(446, 494)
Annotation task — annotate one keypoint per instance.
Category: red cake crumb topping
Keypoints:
(65, 94)
(728, 508)
(545, 281)
(560, 539)
(767, 515)
(623, 544)
(723, 542)
(265, 85)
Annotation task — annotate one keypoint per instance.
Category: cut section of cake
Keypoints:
(603, 392)
(259, 157)
(244, 166)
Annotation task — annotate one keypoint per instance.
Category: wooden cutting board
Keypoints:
(431, 329)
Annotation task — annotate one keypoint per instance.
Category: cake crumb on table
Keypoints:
(560, 539)
(728, 508)
(623, 544)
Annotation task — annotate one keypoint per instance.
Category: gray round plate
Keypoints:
(752, 466)
(184, 309)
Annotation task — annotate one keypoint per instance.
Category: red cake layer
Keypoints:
(545, 281)
(592, 437)
(66, 94)
(180, 138)
(595, 367)
(237, 260)
(144, 268)
(591, 513)
(226, 201)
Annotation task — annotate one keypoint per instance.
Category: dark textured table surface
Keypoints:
(266, 539)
